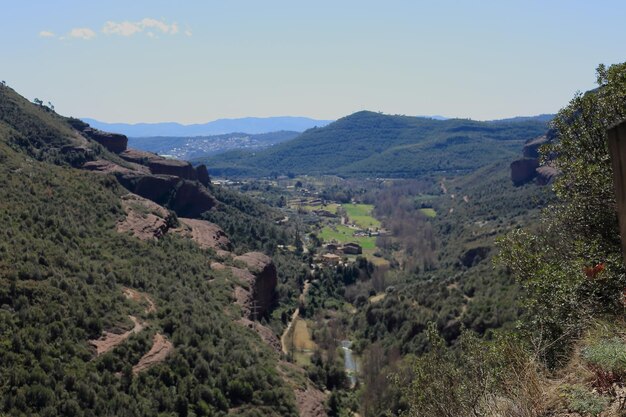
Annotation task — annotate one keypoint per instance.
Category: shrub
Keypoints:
(580, 400)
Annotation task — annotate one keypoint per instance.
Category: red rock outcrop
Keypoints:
(144, 219)
(523, 170)
(205, 234)
(256, 283)
(112, 141)
(164, 166)
(531, 148)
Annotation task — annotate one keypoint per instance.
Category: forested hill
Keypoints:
(374, 144)
(109, 305)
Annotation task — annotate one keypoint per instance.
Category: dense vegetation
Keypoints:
(572, 273)
(372, 144)
(62, 269)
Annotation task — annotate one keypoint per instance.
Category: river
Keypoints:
(349, 362)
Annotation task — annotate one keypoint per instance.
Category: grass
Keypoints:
(361, 215)
(302, 339)
(581, 400)
(302, 344)
(329, 207)
(608, 354)
(344, 234)
(428, 212)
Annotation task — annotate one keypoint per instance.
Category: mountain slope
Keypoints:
(64, 273)
(250, 125)
(373, 144)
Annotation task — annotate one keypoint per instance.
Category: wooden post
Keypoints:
(617, 150)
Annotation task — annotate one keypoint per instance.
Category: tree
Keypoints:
(580, 232)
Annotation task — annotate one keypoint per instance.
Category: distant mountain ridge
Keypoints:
(250, 125)
(193, 147)
(378, 145)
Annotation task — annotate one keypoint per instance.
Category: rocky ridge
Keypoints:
(529, 167)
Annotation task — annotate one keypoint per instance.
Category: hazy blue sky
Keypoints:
(194, 61)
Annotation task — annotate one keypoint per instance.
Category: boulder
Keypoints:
(524, 170)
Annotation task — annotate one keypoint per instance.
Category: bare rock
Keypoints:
(190, 199)
(112, 141)
(260, 280)
(144, 219)
(205, 234)
(524, 170)
(531, 148)
(203, 175)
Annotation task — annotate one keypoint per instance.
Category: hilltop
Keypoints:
(373, 144)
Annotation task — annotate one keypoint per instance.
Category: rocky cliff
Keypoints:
(529, 168)
(163, 166)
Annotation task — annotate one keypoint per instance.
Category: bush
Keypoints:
(580, 400)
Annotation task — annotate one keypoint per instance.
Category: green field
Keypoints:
(343, 234)
(329, 207)
(428, 212)
(361, 215)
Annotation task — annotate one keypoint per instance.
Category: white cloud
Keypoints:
(46, 34)
(127, 28)
(188, 32)
(82, 33)
(122, 29)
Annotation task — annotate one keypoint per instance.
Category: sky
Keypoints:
(196, 61)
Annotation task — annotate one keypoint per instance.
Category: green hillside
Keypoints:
(63, 269)
(374, 144)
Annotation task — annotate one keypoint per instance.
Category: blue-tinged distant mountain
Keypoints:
(539, 118)
(194, 147)
(251, 125)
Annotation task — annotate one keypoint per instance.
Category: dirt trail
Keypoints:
(109, 340)
(139, 297)
(294, 317)
(161, 347)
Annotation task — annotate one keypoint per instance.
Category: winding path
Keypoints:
(294, 317)
(161, 347)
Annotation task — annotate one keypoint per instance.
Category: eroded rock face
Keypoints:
(144, 219)
(205, 234)
(260, 274)
(163, 166)
(190, 199)
(112, 141)
(531, 148)
(203, 175)
(523, 170)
